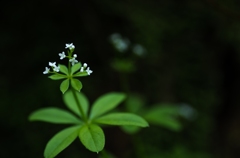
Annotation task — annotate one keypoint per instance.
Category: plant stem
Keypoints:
(104, 154)
(84, 117)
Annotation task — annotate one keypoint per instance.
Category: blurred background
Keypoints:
(185, 53)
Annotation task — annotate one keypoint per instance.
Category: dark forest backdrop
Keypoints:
(192, 57)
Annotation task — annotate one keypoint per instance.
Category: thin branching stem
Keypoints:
(84, 117)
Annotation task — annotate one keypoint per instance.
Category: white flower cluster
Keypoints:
(85, 68)
(53, 65)
(71, 59)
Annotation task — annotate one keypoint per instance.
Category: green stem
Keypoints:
(124, 85)
(104, 154)
(124, 82)
(84, 117)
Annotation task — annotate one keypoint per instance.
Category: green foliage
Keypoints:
(164, 114)
(90, 133)
(123, 65)
(80, 74)
(72, 103)
(134, 103)
(54, 115)
(57, 77)
(76, 84)
(60, 141)
(130, 129)
(75, 68)
(92, 137)
(106, 103)
(63, 69)
(64, 86)
(122, 119)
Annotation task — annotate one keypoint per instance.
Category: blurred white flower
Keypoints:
(62, 55)
(89, 71)
(70, 46)
(46, 70)
(53, 64)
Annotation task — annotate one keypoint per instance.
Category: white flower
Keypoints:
(84, 65)
(82, 68)
(46, 70)
(73, 61)
(62, 55)
(56, 68)
(89, 71)
(53, 64)
(70, 46)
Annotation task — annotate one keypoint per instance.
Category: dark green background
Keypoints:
(192, 57)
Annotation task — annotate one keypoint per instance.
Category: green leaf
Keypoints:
(80, 74)
(122, 119)
(164, 116)
(60, 141)
(57, 77)
(72, 104)
(75, 68)
(54, 115)
(92, 137)
(63, 69)
(134, 103)
(124, 65)
(64, 86)
(106, 103)
(76, 84)
(130, 129)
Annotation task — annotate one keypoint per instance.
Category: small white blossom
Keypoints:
(46, 70)
(89, 71)
(84, 65)
(62, 55)
(74, 55)
(53, 64)
(82, 69)
(57, 68)
(73, 61)
(70, 46)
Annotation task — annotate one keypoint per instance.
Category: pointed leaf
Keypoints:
(57, 76)
(63, 69)
(60, 141)
(75, 68)
(54, 115)
(76, 84)
(72, 103)
(80, 74)
(164, 116)
(64, 86)
(122, 119)
(92, 137)
(106, 103)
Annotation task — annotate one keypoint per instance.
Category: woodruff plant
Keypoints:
(86, 123)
